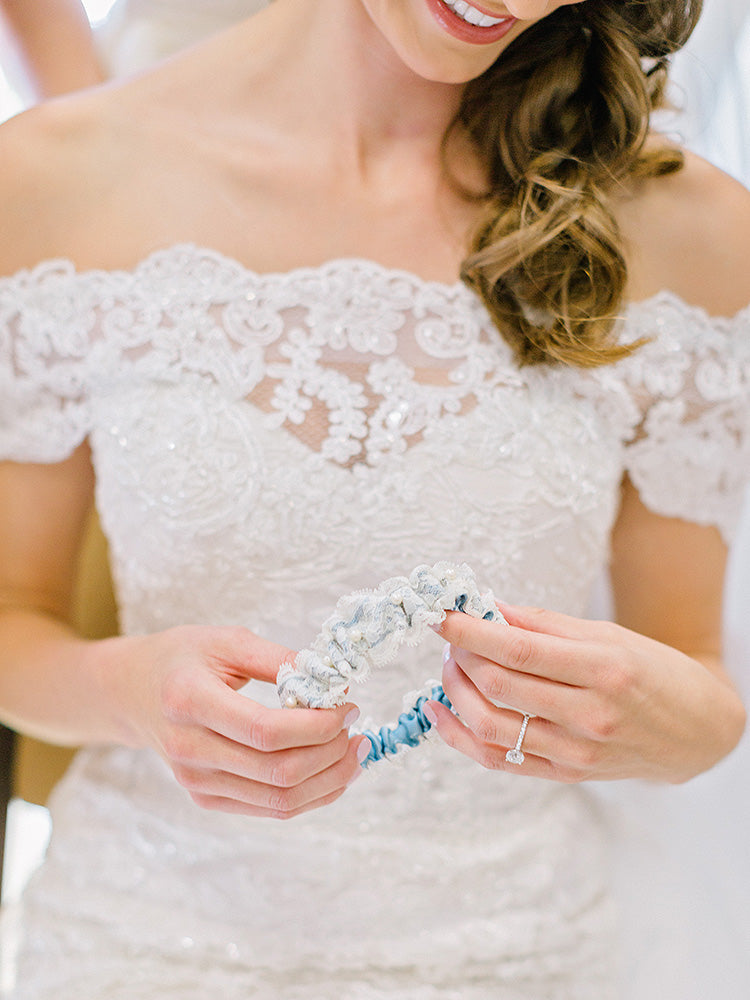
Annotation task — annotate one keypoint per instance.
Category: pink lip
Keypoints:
(465, 32)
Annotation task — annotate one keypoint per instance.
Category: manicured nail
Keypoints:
(446, 652)
(351, 718)
(363, 750)
(429, 713)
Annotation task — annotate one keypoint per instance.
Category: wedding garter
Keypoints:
(366, 630)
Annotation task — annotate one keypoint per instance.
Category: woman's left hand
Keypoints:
(605, 702)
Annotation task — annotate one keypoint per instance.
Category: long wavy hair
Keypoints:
(560, 122)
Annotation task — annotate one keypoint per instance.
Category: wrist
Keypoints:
(113, 668)
(719, 715)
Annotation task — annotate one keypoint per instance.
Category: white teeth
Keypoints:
(471, 15)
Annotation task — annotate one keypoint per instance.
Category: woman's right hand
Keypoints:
(179, 692)
(176, 691)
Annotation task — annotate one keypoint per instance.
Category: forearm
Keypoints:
(55, 43)
(59, 687)
(177, 693)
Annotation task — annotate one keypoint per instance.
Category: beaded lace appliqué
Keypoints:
(221, 509)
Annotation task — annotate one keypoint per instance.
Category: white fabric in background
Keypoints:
(139, 33)
(711, 87)
(700, 832)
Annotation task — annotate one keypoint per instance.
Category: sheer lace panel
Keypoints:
(353, 368)
(357, 361)
(351, 411)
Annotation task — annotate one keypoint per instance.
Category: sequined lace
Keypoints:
(264, 444)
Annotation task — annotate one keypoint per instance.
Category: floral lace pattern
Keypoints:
(264, 444)
(190, 310)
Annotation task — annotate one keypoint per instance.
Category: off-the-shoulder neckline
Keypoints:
(332, 265)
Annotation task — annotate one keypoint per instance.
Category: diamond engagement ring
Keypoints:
(516, 755)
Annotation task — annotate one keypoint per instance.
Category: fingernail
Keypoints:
(429, 713)
(351, 718)
(447, 652)
(363, 749)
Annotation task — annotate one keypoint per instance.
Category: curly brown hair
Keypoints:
(560, 122)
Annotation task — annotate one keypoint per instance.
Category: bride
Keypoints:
(232, 307)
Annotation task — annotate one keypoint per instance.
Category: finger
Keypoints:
(221, 804)
(247, 655)
(500, 726)
(569, 661)
(564, 626)
(580, 712)
(277, 800)
(205, 750)
(570, 760)
(268, 729)
(572, 734)
(456, 735)
(507, 688)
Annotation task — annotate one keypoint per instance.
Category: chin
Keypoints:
(426, 49)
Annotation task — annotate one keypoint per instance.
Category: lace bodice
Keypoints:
(266, 443)
(300, 413)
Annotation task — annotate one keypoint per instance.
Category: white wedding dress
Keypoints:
(264, 444)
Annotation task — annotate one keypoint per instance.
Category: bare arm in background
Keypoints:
(54, 43)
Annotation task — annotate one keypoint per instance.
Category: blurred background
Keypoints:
(14, 92)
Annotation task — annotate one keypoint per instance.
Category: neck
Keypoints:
(338, 79)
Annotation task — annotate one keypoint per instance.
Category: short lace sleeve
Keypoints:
(689, 456)
(47, 352)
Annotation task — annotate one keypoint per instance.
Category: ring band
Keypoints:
(516, 756)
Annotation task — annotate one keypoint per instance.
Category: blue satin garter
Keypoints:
(366, 630)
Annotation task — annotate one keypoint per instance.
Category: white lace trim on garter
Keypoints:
(367, 628)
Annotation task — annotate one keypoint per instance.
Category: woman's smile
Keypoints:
(469, 23)
(472, 14)
(455, 41)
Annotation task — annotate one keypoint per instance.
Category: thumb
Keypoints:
(245, 656)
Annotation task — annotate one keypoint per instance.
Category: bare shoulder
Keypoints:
(73, 178)
(50, 179)
(689, 232)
